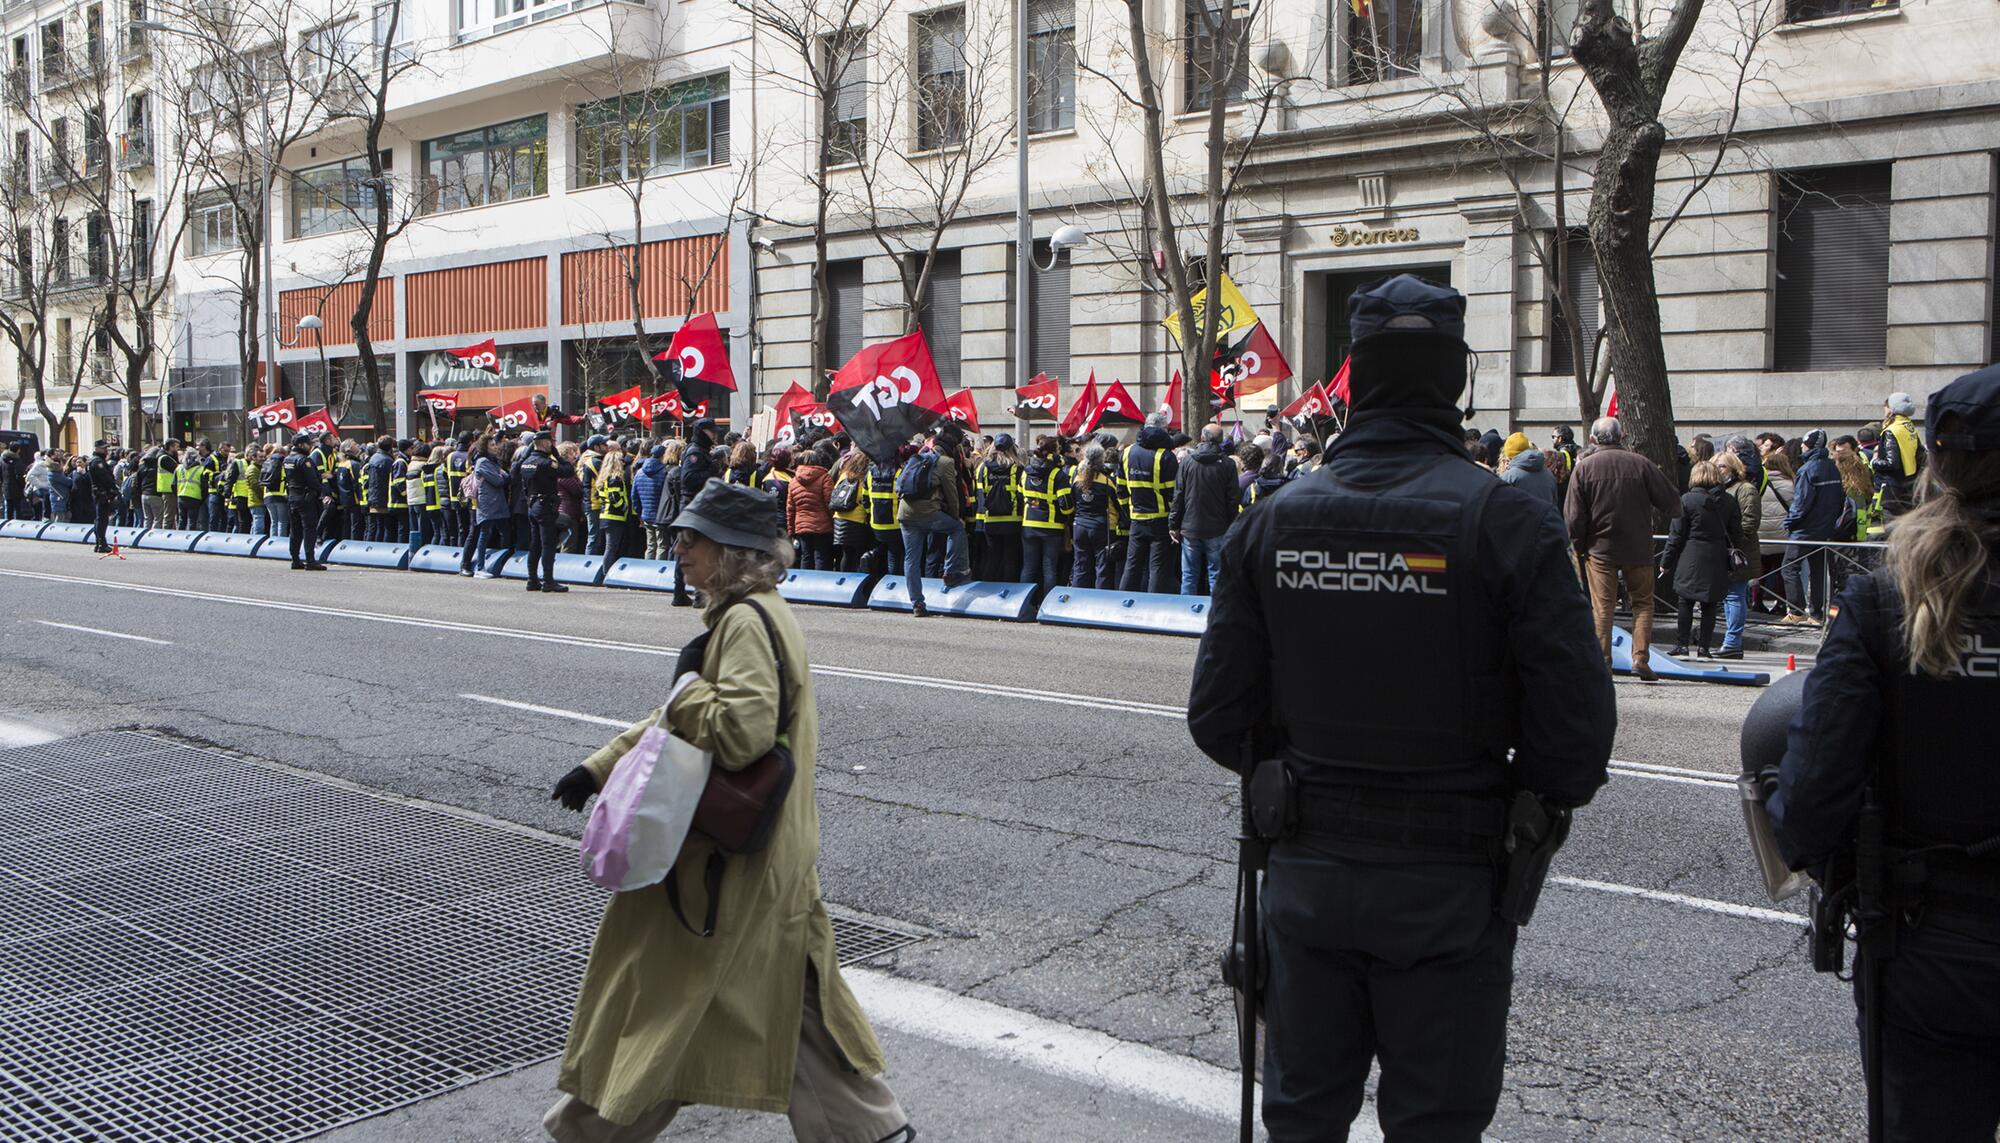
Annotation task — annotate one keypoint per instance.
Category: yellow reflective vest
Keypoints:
(191, 481)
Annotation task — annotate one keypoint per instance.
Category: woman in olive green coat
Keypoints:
(756, 1016)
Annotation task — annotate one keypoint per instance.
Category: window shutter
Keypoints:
(1048, 301)
(940, 316)
(843, 321)
(718, 131)
(1833, 269)
(1580, 286)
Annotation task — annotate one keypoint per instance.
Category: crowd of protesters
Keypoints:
(1752, 515)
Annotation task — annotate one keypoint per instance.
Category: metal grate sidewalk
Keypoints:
(198, 947)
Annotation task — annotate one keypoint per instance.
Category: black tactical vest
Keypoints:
(1939, 776)
(1390, 655)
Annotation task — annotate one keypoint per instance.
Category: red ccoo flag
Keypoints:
(886, 394)
(517, 415)
(482, 356)
(318, 422)
(1080, 410)
(1116, 407)
(1037, 400)
(1172, 407)
(961, 408)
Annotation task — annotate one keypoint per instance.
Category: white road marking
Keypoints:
(1706, 905)
(552, 711)
(108, 634)
(15, 734)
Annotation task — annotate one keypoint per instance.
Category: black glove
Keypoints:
(575, 788)
(691, 655)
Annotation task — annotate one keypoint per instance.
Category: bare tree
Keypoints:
(1184, 208)
(958, 81)
(643, 123)
(246, 94)
(823, 50)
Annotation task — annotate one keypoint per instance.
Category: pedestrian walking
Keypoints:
(1409, 822)
(1703, 545)
(1609, 512)
(757, 1015)
(1888, 795)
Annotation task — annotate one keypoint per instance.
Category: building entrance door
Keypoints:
(1334, 288)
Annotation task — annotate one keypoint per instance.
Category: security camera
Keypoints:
(763, 243)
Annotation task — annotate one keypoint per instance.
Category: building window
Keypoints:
(338, 196)
(1051, 65)
(938, 314)
(55, 64)
(59, 263)
(1048, 301)
(93, 37)
(212, 223)
(487, 165)
(325, 49)
(1579, 276)
(680, 128)
(847, 79)
(1555, 20)
(141, 260)
(941, 78)
(93, 139)
(843, 314)
(1385, 39)
(1832, 306)
(1800, 11)
(1202, 24)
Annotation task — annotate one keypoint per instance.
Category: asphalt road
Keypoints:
(1027, 793)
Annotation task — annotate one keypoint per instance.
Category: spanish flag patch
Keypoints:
(1426, 562)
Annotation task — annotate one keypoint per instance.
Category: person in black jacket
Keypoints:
(1895, 728)
(697, 469)
(103, 491)
(1701, 543)
(1147, 472)
(305, 488)
(535, 478)
(1817, 500)
(380, 470)
(1205, 500)
(1471, 691)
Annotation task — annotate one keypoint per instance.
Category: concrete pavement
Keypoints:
(1075, 858)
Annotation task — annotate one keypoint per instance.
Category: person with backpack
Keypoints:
(848, 503)
(929, 503)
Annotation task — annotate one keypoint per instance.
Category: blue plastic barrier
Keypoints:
(126, 537)
(68, 533)
(645, 575)
(1013, 602)
(170, 539)
(280, 548)
(437, 558)
(830, 589)
(1126, 610)
(229, 544)
(368, 554)
(1668, 667)
(585, 571)
(23, 529)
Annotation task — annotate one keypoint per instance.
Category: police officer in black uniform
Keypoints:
(103, 491)
(1889, 778)
(538, 473)
(1460, 635)
(306, 495)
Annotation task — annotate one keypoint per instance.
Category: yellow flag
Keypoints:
(1236, 312)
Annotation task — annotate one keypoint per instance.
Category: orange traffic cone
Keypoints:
(1791, 664)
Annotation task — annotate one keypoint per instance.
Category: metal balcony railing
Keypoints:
(135, 45)
(135, 150)
(17, 90)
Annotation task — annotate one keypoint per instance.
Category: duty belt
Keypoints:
(1952, 891)
(1405, 823)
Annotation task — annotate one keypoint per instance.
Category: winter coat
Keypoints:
(1819, 498)
(806, 512)
(569, 492)
(697, 469)
(1611, 503)
(1709, 527)
(1750, 509)
(493, 482)
(1774, 505)
(665, 1014)
(379, 467)
(1206, 494)
(1529, 472)
(646, 485)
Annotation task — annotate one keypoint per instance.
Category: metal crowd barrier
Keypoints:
(1830, 563)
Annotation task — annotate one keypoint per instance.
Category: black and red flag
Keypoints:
(482, 356)
(1116, 407)
(1037, 400)
(887, 394)
(699, 362)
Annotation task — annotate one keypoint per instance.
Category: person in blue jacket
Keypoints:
(1815, 516)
